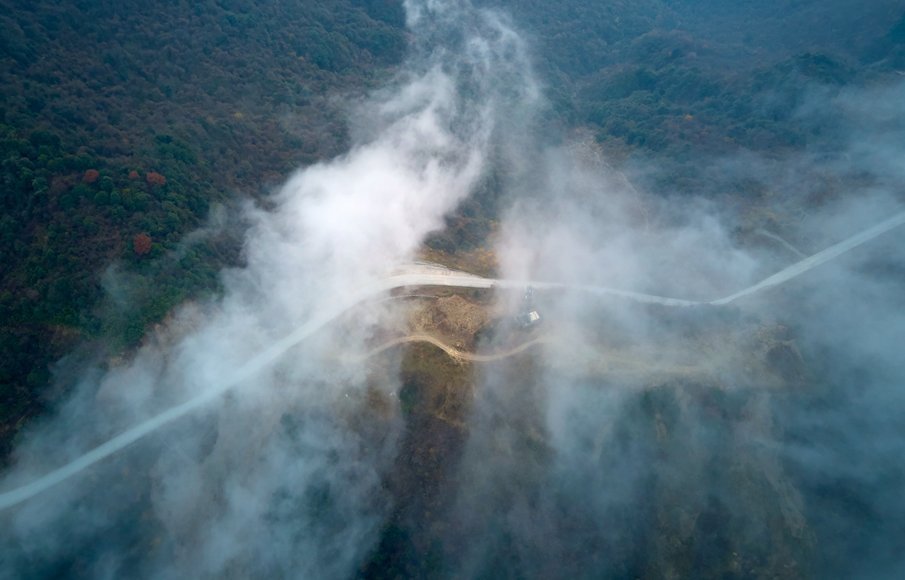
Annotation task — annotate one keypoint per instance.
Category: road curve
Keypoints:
(429, 276)
(781, 241)
(448, 349)
(611, 363)
(440, 277)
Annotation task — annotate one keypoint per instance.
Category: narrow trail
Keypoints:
(448, 349)
(781, 241)
(811, 262)
(427, 276)
(579, 356)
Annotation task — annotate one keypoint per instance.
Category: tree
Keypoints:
(141, 243)
(155, 178)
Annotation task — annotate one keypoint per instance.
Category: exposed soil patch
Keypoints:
(454, 318)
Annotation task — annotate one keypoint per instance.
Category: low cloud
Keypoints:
(637, 438)
(266, 465)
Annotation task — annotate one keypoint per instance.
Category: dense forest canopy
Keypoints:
(219, 98)
(122, 120)
(134, 137)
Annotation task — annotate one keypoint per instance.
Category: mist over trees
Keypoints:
(169, 108)
(139, 142)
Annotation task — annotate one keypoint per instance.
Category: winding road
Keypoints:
(610, 364)
(448, 349)
(419, 275)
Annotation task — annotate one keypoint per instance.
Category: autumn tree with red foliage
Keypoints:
(133, 175)
(141, 243)
(155, 178)
(91, 176)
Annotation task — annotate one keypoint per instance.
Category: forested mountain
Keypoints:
(135, 136)
(122, 122)
(681, 77)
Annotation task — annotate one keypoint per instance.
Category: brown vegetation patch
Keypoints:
(454, 318)
(481, 261)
